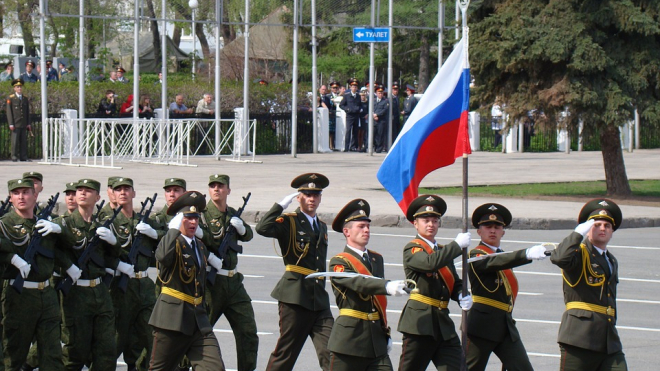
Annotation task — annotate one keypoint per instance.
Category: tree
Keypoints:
(598, 59)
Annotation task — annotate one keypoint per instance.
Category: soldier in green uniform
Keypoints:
(428, 332)
(89, 321)
(360, 338)
(70, 198)
(34, 312)
(490, 325)
(173, 188)
(588, 338)
(181, 324)
(111, 204)
(38, 181)
(18, 116)
(304, 305)
(133, 307)
(227, 294)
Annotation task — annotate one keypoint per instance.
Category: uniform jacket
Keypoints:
(354, 336)
(214, 223)
(18, 111)
(76, 234)
(350, 104)
(31, 77)
(381, 109)
(485, 321)
(395, 110)
(124, 229)
(592, 284)
(299, 245)
(418, 318)
(179, 270)
(409, 105)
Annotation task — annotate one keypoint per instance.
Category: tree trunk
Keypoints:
(424, 55)
(228, 31)
(25, 19)
(615, 169)
(203, 42)
(176, 35)
(56, 34)
(154, 32)
(2, 20)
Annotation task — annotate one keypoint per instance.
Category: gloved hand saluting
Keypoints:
(238, 224)
(585, 227)
(45, 227)
(463, 239)
(175, 223)
(465, 302)
(286, 201)
(536, 252)
(395, 288)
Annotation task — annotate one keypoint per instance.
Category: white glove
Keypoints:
(465, 302)
(463, 239)
(238, 224)
(110, 271)
(585, 227)
(389, 345)
(74, 272)
(395, 288)
(22, 265)
(175, 223)
(147, 230)
(286, 201)
(215, 261)
(199, 233)
(45, 227)
(126, 269)
(536, 253)
(106, 235)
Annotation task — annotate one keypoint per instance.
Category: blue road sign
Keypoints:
(371, 35)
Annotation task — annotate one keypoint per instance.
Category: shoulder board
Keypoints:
(289, 214)
(371, 252)
(12, 96)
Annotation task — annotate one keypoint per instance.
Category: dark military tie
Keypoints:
(609, 266)
(367, 263)
(315, 225)
(193, 244)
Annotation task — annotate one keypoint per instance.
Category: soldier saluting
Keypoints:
(18, 116)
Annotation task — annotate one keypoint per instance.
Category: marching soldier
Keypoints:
(133, 306)
(360, 338)
(304, 305)
(173, 188)
(70, 198)
(32, 313)
(588, 338)
(490, 325)
(18, 117)
(180, 321)
(111, 205)
(227, 295)
(428, 332)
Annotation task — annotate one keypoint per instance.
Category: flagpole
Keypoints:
(464, 4)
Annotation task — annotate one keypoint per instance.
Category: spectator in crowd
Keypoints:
(113, 76)
(61, 70)
(126, 109)
(160, 78)
(38, 72)
(8, 73)
(178, 108)
(496, 123)
(363, 126)
(107, 106)
(396, 118)
(29, 75)
(334, 98)
(69, 75)
(120, 75)
(51, 72)
(206, 105)
(351, 105)
(409, 103)
(146, 111)
(381, 113)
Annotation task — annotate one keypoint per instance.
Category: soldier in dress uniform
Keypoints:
(490, 325)
(588, 338)
(352, 104)
(34, 312)
(89, 321)
(18, 117)
(428, 332)
(360, 338)
(381, 113)
(120, 75)
(29, 75)
(133, 306)
(181, 323)
(409, 103)
(396, 114)
(331, 97)
(304, 305)
(227, 294)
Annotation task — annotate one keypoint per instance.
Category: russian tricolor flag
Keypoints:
(436, 132)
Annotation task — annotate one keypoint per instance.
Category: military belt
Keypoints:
(492, 303)
(223, 272)
(591, 307)
(32, 284)
(142, 274)
(89, 283)
(375, 316)
(302, 270)
(181, 296)
(430, 301)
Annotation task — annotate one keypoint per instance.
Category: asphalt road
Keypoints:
(538, 310)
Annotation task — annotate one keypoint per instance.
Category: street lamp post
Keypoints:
(193, 4)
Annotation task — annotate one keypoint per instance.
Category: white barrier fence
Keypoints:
(103, 142)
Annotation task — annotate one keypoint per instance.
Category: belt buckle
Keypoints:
(138, 275)
(231, 273)
(610, 311)
(41, 285)
(372, 316)
(92, 283)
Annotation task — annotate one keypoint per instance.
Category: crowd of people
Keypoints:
(85, 272)
(33, 72)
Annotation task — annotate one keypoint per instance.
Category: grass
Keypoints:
(640, 189)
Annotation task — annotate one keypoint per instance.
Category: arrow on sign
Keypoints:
(359, 34)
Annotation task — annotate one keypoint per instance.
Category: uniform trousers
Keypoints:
(579, 359)
(296, 323)
(31, 314)
(19, 144)
(132, 311)
(345, 362)
(169, 347)
(418, 351)
(228, 296)
(512, 354)
(351, 131)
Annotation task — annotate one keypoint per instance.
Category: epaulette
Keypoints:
(289, 214)
(12, 96)
(374, 252)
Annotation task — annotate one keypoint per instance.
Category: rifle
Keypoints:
(88, 254)
(228, 242)
(5, 206)
(137, 247)
(35, 245)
